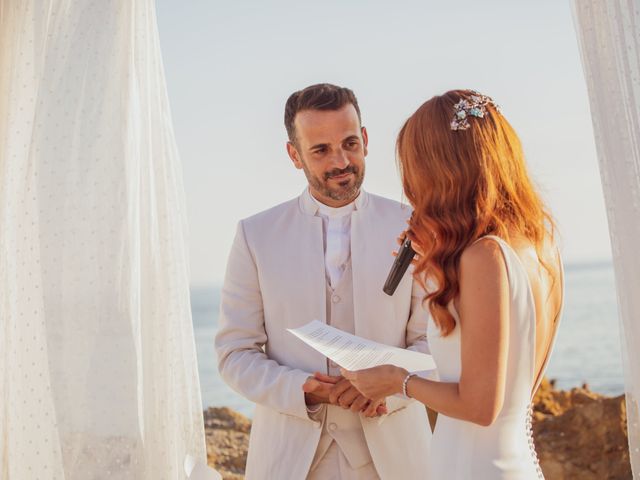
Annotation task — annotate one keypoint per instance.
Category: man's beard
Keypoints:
(348, 191)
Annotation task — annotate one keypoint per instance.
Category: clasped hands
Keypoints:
(337, 390)
(360, 391)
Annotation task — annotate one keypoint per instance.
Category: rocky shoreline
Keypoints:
(578, 434)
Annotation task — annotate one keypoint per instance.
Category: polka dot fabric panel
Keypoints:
(98, 374)
(609, 41)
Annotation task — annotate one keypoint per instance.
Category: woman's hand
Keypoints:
(414, 245)
(340, 392)
(378, 382)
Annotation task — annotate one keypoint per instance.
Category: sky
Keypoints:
(230, 67)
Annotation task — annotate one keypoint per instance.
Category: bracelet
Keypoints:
(404, 384)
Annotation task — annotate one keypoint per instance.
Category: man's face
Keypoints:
(330, 147)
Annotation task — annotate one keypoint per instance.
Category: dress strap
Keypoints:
(494, 237)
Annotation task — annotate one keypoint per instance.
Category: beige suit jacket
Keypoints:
(275, 280)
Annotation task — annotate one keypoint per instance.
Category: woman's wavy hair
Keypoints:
(464, 184)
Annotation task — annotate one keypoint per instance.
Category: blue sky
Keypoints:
(230, 67)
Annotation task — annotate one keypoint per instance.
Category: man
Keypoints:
(324, 255)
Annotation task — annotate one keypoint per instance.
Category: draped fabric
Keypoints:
(98, 374)
(609, 39)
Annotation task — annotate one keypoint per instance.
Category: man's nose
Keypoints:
(341, 159)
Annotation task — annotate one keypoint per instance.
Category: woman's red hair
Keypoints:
(464, 184)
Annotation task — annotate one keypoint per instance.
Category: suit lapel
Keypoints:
(372, 243)
(362, 264)
(309, 246)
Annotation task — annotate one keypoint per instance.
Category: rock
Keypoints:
(578, 434)
(227, 437)
(224, 418)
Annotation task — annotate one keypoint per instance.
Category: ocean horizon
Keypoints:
(587, 348)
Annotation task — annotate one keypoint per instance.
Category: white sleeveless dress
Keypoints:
(462, 450)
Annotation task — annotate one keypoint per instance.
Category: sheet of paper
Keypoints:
(355, 353)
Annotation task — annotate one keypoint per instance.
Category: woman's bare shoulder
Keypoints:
(481, 259)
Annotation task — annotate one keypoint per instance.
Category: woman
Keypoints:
(487, 258)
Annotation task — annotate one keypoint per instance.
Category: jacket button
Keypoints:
(335, 298)
(333, 427)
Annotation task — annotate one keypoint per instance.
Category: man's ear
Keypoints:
(294, 155)
(365, 140)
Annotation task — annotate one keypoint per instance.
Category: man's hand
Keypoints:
(317, 390)
(342, 393)
(376, 408)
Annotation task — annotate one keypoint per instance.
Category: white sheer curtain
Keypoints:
(609, 39)
(98, 374)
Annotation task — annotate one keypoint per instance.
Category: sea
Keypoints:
(587, 348)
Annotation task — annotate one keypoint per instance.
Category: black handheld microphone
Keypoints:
(399, 267)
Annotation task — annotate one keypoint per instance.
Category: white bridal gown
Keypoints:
(462, 450)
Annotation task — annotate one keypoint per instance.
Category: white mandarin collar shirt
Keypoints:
(336, 224)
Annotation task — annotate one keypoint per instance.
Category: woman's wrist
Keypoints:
(405, 385)
(399, 383)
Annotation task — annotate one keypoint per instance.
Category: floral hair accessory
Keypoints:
(474, 106)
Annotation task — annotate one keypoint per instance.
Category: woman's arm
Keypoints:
(483, 306)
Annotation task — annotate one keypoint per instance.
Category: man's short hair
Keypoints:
(322, 96)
